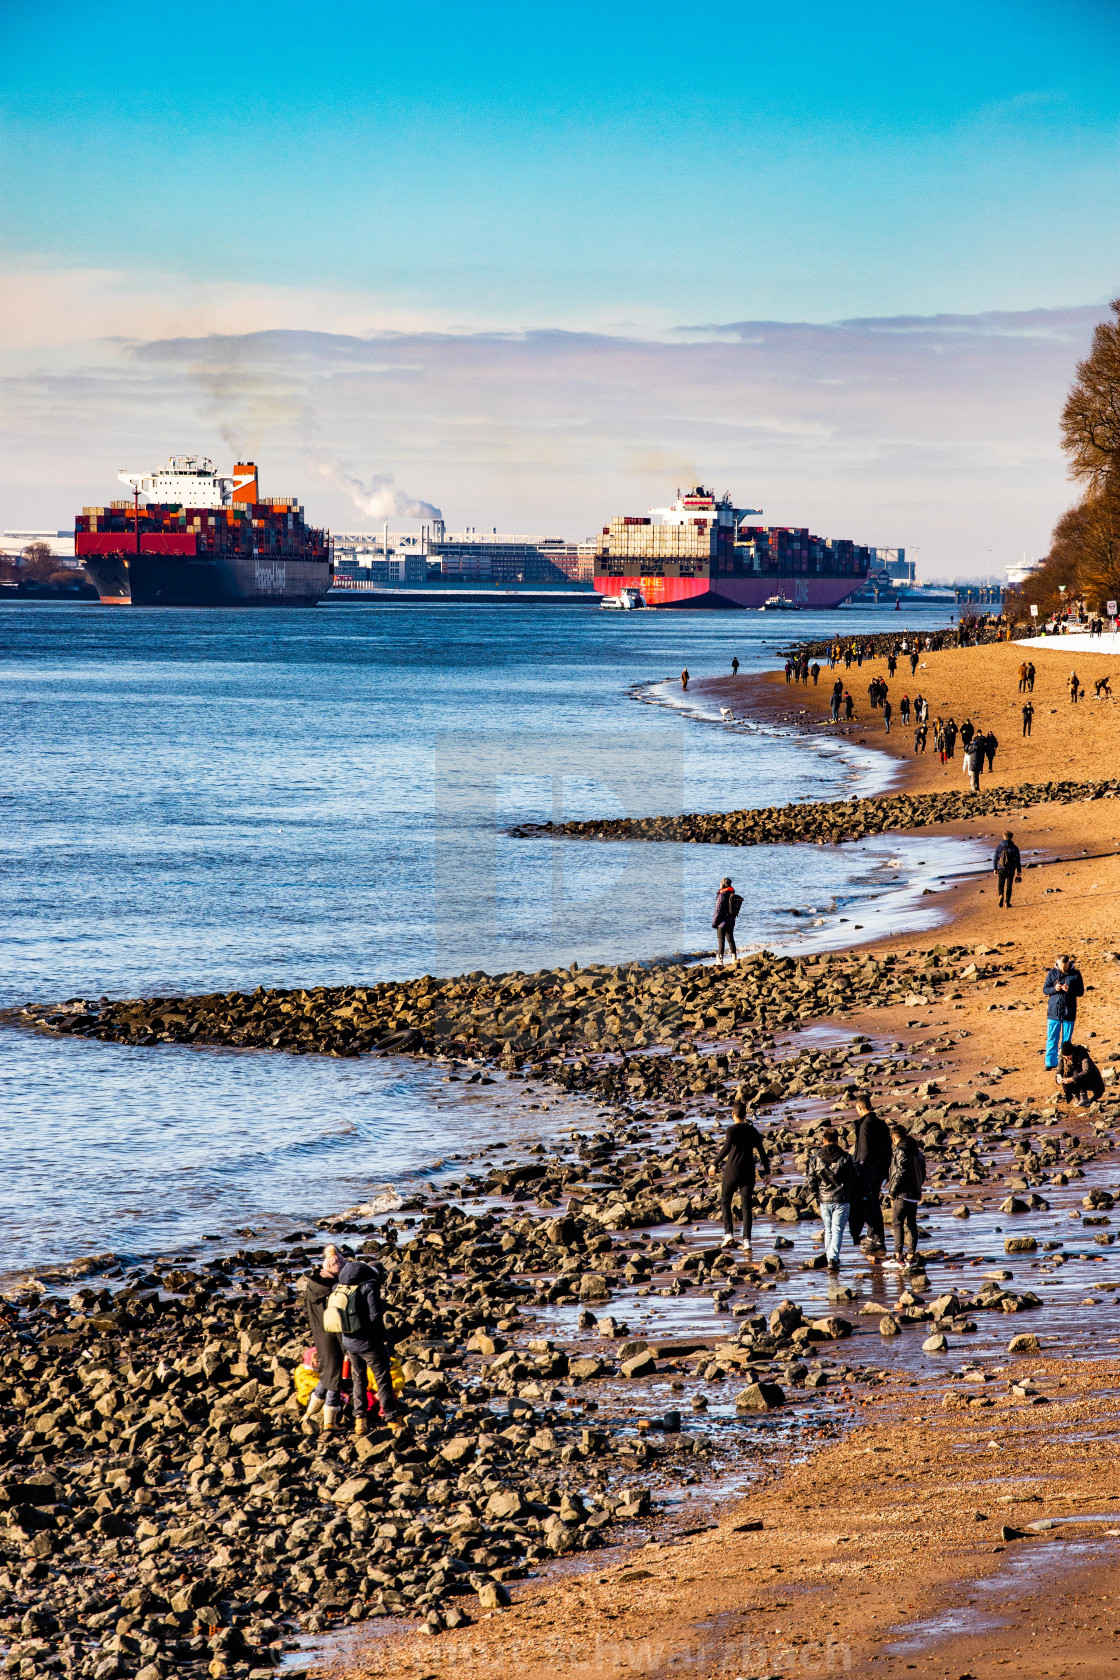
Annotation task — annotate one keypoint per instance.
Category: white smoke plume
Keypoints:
(379, 499)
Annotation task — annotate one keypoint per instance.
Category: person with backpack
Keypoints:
(904, 1186)
(355, 1312)
(728, 906)
(324, 1402)
(742, 1142)
(872, 1154)
(830, 1176)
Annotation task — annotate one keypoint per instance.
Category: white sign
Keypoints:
(1034, 612)
(1110, 607)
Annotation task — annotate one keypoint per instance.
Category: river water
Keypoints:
(204, 800)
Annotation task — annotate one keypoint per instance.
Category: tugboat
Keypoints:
(779, 603)
(627, 600)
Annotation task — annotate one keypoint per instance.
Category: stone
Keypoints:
(889, 1326)
(1024, 1344)
(356, 1488)
(458, 1449)
(640, 1364)
(594, 1288)
(480, 1342)
(586, 1368)
(504, 1504)
(937, 1343)
(760, 1397)
(1019, 1245)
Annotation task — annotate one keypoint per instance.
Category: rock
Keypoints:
(1009, 1533)
(357, 1488)
(1019, 1245)
(889, 1326)
(458, 1449)
(834, 1328)
(961, 1211)
(937, 1343)
(506, 1503)
(480, 1342)
(785, 1319)
(1024, 1344)
(640, 1364)
(594, 1288)
(760, 1397)
(493, 1595)
(1014, 1204)
(586, 1368)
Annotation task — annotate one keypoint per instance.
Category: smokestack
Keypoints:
(245, 482)
(385, 539)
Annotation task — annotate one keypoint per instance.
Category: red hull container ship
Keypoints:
(200, 540)
(701, 553)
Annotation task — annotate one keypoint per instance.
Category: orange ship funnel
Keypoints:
(245, 482)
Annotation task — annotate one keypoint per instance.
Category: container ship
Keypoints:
(201, 540)
(700, 552)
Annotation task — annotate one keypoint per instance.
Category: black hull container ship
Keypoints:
(201, 540)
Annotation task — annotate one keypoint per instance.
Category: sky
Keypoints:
(535, 265)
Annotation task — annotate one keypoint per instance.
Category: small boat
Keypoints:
(779, 603)
(627, 600)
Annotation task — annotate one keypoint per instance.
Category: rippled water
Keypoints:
(203, 800)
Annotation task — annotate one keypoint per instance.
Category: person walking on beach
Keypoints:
(1023, 677)
(1030, 676)
(892, 663)
(734, 667)
(920, 734)
(904, 710)
(837, 696)
(741, 1143)
(913, 660)
(363, 1336)
(939, 738)
(849, 706)
(814, 672)
(1061, 989)
(317, 1286)
(684, 678)
(830, 1175)
(1028, 717)
(974, 763)
(950, 733)
(873, 1162)
(887, 716)
(990, 745)
(1073, 684)
(728, 906)
(968, 730)
(1008, 865)
(904, 1186)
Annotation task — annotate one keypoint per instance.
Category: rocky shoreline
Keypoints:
(827, 823)
(166, 1509)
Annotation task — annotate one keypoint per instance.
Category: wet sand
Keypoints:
(887, 1543)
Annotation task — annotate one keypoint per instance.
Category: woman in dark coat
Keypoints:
(316, 1289)
(724, 919)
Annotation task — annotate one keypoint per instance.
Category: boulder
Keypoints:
(1024, 1344)
(1019, 1245)
(642, 1364)
(760, 1397)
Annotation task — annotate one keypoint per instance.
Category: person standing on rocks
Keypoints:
(1061, 989)
(1008, 865)
(728, 906)
(1028, 717)
(873, 1163)
(904, 1186)
(830, 1176)
(742, 1142)
(317, 1286)
(363, 1337)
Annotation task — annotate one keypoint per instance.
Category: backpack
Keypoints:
(341, 1316)
(735, 904)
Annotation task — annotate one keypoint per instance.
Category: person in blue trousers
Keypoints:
(1061, 988)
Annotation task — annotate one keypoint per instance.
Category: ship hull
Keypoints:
(237, 580)
(727, 591)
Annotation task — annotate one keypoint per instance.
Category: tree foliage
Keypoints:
(1091, 416)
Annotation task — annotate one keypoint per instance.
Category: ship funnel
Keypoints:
(245, 482)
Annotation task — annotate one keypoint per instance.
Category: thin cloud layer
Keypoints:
(937, 434)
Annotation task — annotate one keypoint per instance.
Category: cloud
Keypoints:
(937, 433)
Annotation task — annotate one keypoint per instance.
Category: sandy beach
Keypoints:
(897, 1549)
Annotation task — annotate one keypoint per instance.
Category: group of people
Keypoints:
(342, 1298)
(847, 1185)
(799, 670)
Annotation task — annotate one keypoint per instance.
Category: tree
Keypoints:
(1091, 416)
(37, 561)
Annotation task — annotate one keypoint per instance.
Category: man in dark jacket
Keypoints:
(873, 1160)
(317, 1286)
(904, 1185)
(1078, 1076)
(830, 1175)
(741, 1143)
(1008, 866)
(990, 745)
(1061, 989)
(366, 1345)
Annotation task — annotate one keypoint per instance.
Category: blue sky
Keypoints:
(617, 170)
